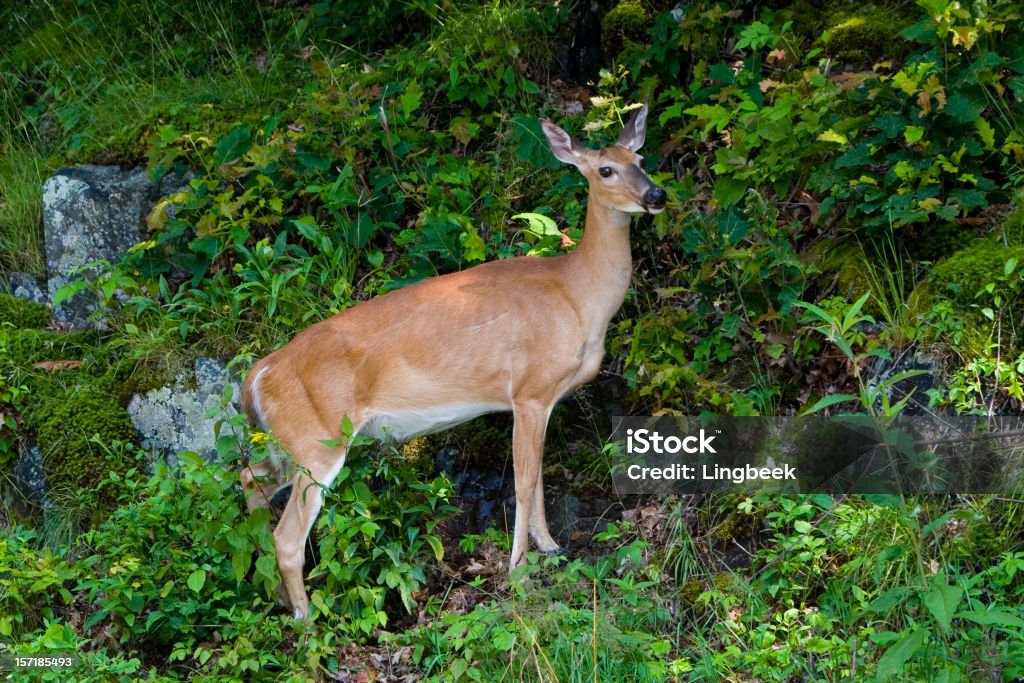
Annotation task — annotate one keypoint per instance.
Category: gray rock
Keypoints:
(564, 516)
(93, 213)
(174, 418)
(25, 286)
(30, 484)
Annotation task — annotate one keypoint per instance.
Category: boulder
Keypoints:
(25, 286)
(93, 213)
(174, 418)
(30, 485)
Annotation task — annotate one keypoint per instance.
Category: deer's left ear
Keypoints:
(562, 145)
(632, 136)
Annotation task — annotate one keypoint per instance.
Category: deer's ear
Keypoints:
(632, 136)
(563, 146)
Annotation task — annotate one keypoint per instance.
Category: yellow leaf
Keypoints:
(832, 136)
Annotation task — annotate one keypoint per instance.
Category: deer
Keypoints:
(516, 335)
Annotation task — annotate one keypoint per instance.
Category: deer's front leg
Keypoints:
(527, 451)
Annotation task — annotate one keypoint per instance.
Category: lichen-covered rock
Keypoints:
(30, 482)
(25, 286)
(93, 213)
(174, 418)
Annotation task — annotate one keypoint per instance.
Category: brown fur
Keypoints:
(516, 334)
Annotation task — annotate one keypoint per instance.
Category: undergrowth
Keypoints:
(845, 216)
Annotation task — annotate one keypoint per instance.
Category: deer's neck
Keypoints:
(601, 265)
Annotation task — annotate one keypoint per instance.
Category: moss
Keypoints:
(968, 271)
(74, 436)
(690, 592)
(866, 37)
(27, 347)
(625, 24)
(130, 377)
(841, 264)
(23, 313)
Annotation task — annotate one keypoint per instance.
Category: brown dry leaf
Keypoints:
(474, 568)
(849, 79)
(58, 364)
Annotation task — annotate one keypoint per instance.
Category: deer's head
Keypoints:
(616, 178)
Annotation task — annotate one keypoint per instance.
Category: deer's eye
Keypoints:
(605, 171)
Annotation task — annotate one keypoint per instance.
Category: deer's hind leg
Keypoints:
(309, 484)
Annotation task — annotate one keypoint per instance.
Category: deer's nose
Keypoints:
(654, 197)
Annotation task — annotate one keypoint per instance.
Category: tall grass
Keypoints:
(92, 82)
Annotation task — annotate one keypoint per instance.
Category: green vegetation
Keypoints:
(841, 200)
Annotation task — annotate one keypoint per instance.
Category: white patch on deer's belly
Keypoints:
(404, 424)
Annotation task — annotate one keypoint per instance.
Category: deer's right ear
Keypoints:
(561, 143)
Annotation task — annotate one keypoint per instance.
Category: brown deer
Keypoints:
(516, 334)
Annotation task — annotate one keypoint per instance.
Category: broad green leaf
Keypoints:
(888, 600)
(503, 639)
(896, 657)
(538, 224)
(233, 145)
(942, 601)
(240, 562)
(196, 580)
(913, 134)
(435, 544)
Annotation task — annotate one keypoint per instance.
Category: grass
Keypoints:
(79, 86)
(23, 169)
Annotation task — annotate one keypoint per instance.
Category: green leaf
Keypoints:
(896, 656)
(716, 116)
(987, 134)
(240, 563)
(913, 134)
(830, 400)
(887, 601)
(962, 109)
(266, 566)
(995, 617)
(729, 191)
(942, 601)
(832, 136)
(473, 245)
(850, 318)
(503, 639)
(435, 544)
(802, 526)
(197, 580)
(233, 145)
(1009, 266)
(411, 98)
(538, 224)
